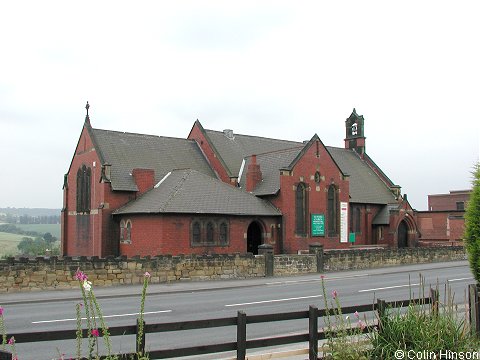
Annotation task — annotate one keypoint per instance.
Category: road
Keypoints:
(55, 310)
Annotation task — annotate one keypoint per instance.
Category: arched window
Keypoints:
(126, 231)
(332, 211)
(301, 209)
(355, 219)
(223, 233)
(84, 175)
(196, 234)
(210, 233)
(122, 230)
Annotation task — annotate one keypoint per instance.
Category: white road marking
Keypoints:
(388, 287)
(460, 279)
(315, 280)
(275, 300)
(105, 317)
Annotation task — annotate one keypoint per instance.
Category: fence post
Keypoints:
(313, 332)
(241, 335)
(434, 301)
(381, 309)
(474, 308)
(5, 355)
(140, 345)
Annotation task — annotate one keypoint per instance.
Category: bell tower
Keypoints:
(354, 135)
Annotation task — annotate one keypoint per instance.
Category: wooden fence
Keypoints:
(240, 321)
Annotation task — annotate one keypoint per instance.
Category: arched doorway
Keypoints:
(402, 235)
(254, 237)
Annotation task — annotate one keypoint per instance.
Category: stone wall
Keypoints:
(335, 260)
(284, 265)
(23, 274)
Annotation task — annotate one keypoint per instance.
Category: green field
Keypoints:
(8, 243)
(53, 229)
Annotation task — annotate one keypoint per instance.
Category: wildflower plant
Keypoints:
(140, 333)
(344, 337)
(2, 329)
(93, 314)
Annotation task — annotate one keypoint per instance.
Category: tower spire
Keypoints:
(87, 117)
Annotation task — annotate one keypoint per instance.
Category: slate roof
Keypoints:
(127, 151)
(270, 165)
(365, 186)
(383, 216)
(189, 191)
(234, 149)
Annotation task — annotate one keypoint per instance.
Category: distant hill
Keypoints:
(34, 212)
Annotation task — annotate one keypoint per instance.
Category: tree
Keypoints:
(472, 225)
(49, 239)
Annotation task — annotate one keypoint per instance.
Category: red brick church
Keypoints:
(223, 192)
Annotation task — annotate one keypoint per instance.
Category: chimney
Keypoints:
(254, 175)
(144, 178)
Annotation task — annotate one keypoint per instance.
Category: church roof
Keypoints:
(270, 165)
(233, 148)
(189, 191)
(127, 151)
(365, 186)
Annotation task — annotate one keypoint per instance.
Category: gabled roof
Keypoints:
(365, 186)
(233, 148)
(270, 165)
(191, 192)
(127, 151)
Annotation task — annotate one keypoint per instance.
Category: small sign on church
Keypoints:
(318, 224)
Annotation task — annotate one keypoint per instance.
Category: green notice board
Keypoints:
(351, 237)
(318, 224)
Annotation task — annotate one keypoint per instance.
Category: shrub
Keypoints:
(472, 225)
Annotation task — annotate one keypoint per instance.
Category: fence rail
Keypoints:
(240, 321)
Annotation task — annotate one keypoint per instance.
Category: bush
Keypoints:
(472, 225)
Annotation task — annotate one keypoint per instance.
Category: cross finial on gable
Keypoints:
(87, 117)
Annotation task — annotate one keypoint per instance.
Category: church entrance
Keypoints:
(402, 235)
(254, 237)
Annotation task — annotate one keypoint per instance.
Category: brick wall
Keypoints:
(23, 274)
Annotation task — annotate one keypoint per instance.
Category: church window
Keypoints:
(301, 209)
(355, 219)
(125, 231)
(332, 211)
(223, 233)
(196, 233)
(84, 175)
(210, 232)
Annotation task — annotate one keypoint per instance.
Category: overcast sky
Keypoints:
(277, 69)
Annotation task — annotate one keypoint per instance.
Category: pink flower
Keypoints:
(147, 274)
(322, 277)
(361, 324)
(334, 294)
(11, 341)
(95, 333)
(79, 275)
(357, 315)
(1, 311)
